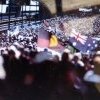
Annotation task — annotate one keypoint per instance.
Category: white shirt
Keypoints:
(90, 76)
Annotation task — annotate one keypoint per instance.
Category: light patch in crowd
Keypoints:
(39, 49)
(97, 59)
(15, 32)
(17, 52)
(78, 54)
(67, 51)
(98, 52)
(2, 71)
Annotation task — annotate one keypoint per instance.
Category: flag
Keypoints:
(82, 43)
(47, 40)
(53, 41)
(43, 38)
(81, 38)
(55, 44)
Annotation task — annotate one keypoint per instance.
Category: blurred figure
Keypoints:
(43, 55)
(97, 70)
(56, 58)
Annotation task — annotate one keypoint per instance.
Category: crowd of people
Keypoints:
(58, 27)
(29, 74)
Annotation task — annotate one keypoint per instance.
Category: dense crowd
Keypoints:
(27, 73)
(60, 26)
(24, 38)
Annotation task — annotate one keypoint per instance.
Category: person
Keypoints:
(93, 76)
(43, 55)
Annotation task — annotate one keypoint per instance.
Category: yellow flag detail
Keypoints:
(53, 41)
